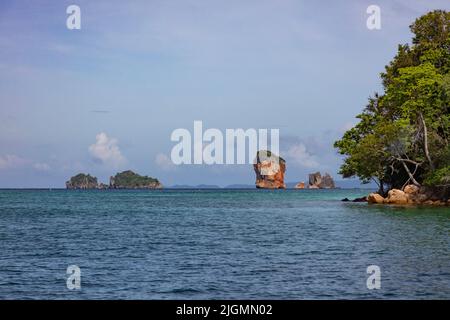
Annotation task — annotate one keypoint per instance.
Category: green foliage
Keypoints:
(403, 134)
(129, 179)
(440, 177)
(82, 178)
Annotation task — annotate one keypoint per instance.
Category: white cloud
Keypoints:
(299, 155)
(106, 150)
(11, 161)
(164, 162)
(41, 166)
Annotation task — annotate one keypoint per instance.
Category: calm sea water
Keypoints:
(214, 244)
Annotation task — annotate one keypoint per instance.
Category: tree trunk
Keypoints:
(381, 190)
(425, 141)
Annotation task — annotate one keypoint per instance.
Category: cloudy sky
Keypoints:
(107, 97)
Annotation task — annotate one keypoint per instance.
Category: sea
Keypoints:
(219, 244)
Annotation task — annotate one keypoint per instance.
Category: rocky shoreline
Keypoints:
(412, 195)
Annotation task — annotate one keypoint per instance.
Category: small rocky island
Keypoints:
(123, 180)
(82, 181)
(269, 169)
(317, 181)
(130, 180)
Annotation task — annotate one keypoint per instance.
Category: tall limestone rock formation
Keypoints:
(269, 169)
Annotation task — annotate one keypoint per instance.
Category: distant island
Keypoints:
(123, 180)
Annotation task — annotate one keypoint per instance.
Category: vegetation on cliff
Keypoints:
(82, 181)
(402, 136)
(124, 180)
(130, 180)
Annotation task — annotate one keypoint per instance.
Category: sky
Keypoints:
(106, 98)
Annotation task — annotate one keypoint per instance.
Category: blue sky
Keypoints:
(107, 97)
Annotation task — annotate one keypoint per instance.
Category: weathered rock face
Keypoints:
(396, 196)
(269, 170)
(375, 198)
(327, 182)
(82, 181)
(411, 195)
(130, 180)
(411, 189)
(317, 181)
(300, 185)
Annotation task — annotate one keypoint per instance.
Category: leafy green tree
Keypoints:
(403, 135)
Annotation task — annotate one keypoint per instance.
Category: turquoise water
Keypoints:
(214, 244)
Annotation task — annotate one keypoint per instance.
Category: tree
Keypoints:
(403, 134)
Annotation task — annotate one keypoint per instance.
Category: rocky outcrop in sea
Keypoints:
(82, 181)
(269, 169)
(317, 181)
(131, 180)
(300, 185)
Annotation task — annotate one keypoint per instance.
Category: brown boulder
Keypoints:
(411, 189)
(375, 198)
(396, 196)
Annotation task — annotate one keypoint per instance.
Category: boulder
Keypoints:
(396, 196)
(375, 198)
(300, 185)
(411, 189)
(269, 170)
